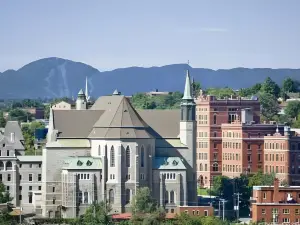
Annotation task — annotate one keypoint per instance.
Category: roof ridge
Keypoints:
(134, 130)
(115, 113)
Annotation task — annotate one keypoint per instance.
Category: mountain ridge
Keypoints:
(55, 77)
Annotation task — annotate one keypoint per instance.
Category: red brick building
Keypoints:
(211, 113)
(276, 204)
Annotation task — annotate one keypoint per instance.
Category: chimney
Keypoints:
(12, 137)
(276, 191)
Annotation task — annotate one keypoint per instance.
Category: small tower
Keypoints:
(81, 102)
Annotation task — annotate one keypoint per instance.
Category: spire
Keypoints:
(187, 89)
(86, 89)
(80, 92)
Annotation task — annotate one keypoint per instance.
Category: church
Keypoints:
(108, 151)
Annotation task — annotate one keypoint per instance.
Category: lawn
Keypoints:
(202, 191)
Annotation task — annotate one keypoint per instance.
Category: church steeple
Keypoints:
(188, 87)
(188, 106)
(86, 89)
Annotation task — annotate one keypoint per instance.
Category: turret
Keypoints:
(81, 102)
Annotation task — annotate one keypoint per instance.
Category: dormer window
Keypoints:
(79, 163)
(175, 163)
(89, 163)
(166, 163)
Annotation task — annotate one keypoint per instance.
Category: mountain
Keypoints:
(56, 77)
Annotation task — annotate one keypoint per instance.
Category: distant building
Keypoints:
(61, 106)
(276, 204)
(38, 113)
(158, 93)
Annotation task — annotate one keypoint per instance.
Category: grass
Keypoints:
(202, 191)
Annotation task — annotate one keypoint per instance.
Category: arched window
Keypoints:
(215, 167)
(111, 198)
(215, 118)
(205, 167)
(201, 167)
(166, 197)
(99, 150)
(142, 156)
(112, 157)
(127, 196)
(1, 165)
(127, 156)
(172, 197)
(9, 165)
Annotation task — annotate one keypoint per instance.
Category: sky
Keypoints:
(109, 34)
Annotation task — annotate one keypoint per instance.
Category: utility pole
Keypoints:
(237, 206)
(219, 212)
(20, 214)
(223, 201)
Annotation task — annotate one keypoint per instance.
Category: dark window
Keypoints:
(215, 119)
(30, 188)
(7, 152)
(249, 158)
(39, 177)
(30, 177)
(0, 177)
(111, 198)
(215, 156)
(53, 189)
(20, 177)
(20, 197)
(215, 134)
(7, 188)
(8, 177)
(53, 200)
(215, 145)
(249, 146)
(259, 157)
(20, 188)
(128, 156)
(40, 188)
(30, 166)
(127, 196)
(40, 165)
(20, 166)
(142, 156)
(112, 157)
(215, 167)
(259, 146)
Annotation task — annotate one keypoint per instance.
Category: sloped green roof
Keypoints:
(168, 163)
(82, 163)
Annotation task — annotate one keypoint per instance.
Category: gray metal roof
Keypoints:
(13, 127)
(114, 117)
(75, 123)
(168, 163)
(30, 158)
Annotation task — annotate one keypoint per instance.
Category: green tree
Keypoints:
(20, 115)
(296, 123)
(2, 119)
(28, 131)
(292, 109)
(4, 195)
(270, 87)
(196, 88)
(220, 92)
(261, 178)
(269, 105)
(97, 214)
(145, 208)
(288, 85)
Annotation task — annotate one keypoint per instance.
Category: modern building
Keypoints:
(276, 204)
(110, 150)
